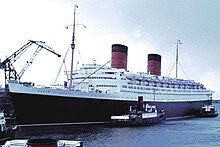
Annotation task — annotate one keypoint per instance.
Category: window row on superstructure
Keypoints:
(167, 85)
(164, 93)
(95, 78)
(160, 81)
(141, 88)
(106, 85)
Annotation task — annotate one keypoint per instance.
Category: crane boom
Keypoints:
(45, 46)
(29, 62)
(11, 59)
(41, 45)
(7, 64)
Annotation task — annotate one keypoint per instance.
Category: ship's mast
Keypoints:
(177, 56)
(73, 47)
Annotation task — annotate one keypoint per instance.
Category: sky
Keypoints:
(145, 26)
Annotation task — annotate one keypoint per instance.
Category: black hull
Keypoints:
(39, 109)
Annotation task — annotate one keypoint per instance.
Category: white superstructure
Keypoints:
(98, 79)
(95, 81)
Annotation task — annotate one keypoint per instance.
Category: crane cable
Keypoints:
(55, 81)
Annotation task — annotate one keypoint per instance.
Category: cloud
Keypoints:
(137, 31)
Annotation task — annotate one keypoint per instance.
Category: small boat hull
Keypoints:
(139, 115)
(5, 136)
(209, 115)
(208, 111)
(136, 122)
(43, 142)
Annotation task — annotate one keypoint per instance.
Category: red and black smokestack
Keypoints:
(119, 56)
(154, 64)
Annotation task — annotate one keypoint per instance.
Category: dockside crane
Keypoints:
(7, 64)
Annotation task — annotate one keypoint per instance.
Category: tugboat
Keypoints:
(208, 111)
(7, 131)
(139, 115)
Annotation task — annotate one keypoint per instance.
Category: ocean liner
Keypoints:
(99, 92)
(96, 92)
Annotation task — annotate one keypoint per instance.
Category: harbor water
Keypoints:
(193, 132)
